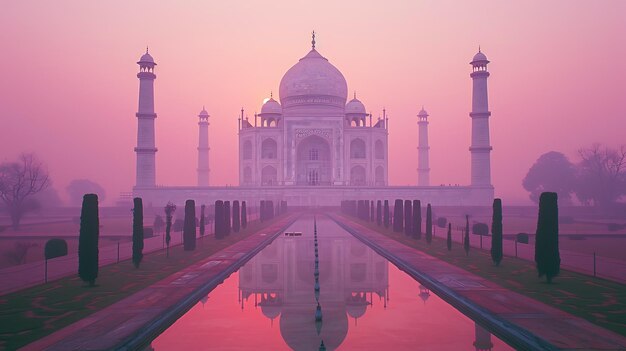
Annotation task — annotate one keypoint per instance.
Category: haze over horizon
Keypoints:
(69, 93)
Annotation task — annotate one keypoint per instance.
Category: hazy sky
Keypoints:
(68, 86)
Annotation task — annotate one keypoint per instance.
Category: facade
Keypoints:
(313, 147)
(312, 137)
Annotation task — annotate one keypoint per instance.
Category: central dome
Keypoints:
(313, 76)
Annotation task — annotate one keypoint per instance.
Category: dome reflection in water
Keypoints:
(368, 304)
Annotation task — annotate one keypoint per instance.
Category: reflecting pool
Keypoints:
(366, 303)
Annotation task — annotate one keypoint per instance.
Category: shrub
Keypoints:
(522, 238)
(398, 212)
(236, 217)
(202, 221)
(386, 214)
(417, 219)
(449, 238)
(179, 225)
(137, 231)
(227, 225)
(88, 240)
(496, 232)
(466, 239)
(55, 248)
(379, 213)
(429, 224)
(219, 219)
(169, 209)
(408, 218)
(189, 234)
(547, 254)
(480, 229)
(158, 224)
(148, 232)
(244, 215)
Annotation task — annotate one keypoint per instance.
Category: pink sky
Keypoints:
(68, 90)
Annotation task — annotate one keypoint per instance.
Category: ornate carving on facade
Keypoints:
(325, 133)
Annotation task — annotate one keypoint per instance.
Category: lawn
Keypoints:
(599, 301)
(33, 313)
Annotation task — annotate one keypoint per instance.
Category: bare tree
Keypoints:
(18, 182)
(602, 175)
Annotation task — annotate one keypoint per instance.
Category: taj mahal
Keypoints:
(313, 147)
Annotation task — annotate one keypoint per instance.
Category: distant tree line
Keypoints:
(597, 179)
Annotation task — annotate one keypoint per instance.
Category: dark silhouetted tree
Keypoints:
(449, 238)
(236, 217)
(202, 221)
(170, 208)
(429, 224)
(55, 248)
(227, 224)
(496, 232)
(137, 231)
(466, 239)
(408, 218)
(372, 213)
(551, 172)
(398, 211)
(88, 240)
(547, 254)
(244, 215)
(386, 214)
(379, 213)
(189, 231)
(417, 219)
(19, 181)
(262, 211)
(219, 219)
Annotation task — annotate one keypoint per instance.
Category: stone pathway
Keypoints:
(536, 325)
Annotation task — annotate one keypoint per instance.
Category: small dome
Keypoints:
(203, 113)
(355, 106)
(271, 106)
(422, 113)
(479, 58)
(146, 58)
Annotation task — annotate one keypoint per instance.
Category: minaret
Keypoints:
(146, 150)
(423, 164)
(480, 148)
(203, 148)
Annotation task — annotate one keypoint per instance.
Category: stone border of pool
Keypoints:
(134, 321)
(516, 336)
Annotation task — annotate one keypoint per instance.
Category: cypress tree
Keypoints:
(372, 213)
(244, 215)
(547, 254)
(496, 232)
(386, 214)
(429, 224)
(236, 217)
(202, 224)
(88, 240)
(408, 218)
(417, 219)
(137, 231)
(227, 224)
(170, 208)
(449, 239)
(189, 229)
(262, 211)
(398, 211)
(466, 239)
(379, 213)
(219, 219)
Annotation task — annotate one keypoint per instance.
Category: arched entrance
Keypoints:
(313, 164)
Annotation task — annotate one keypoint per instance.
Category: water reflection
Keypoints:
(270, 303)
(281, 281)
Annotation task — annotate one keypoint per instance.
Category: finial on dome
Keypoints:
(479, 48)
(146, 49)
(313, 41)
(271, 94)
(355, 94)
